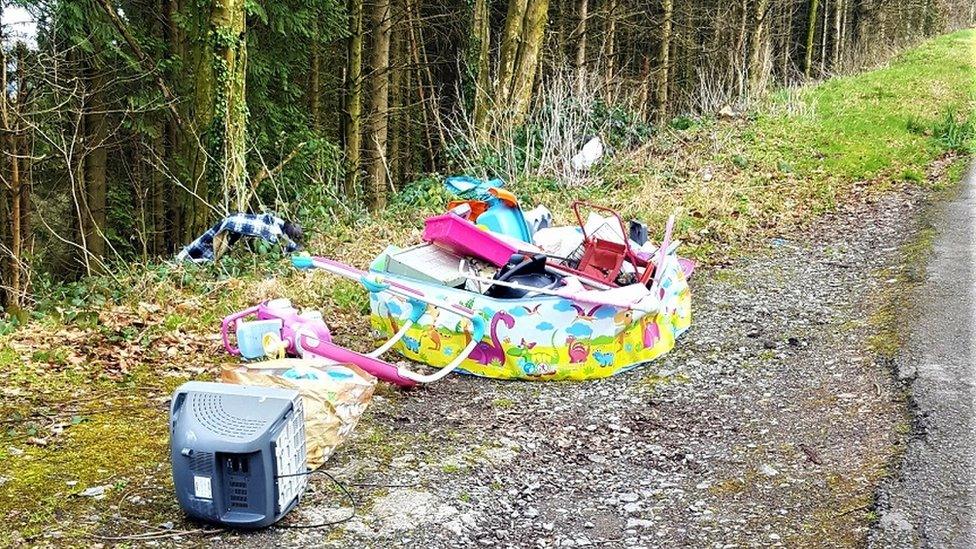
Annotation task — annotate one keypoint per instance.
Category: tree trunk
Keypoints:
(354, 73)
(757, 45)
(410, 141)
(209, 45)
(811, 34)
(398, 62)
(835, 52)
(11, 126)
(19, 186)
(157, 144)
(421, 95)
(142, 196)
(230, 67)
(95, 190)
(174, 141)
(158, 191)
(644, 98)
(11, 191)
(845, 36)
(26, 184)
(5, 204)
(4, 159)
(379, 90)
(579, 35)
(881, 34)
(533, 35)
(525, 26)
(664, 64)
(479, 52)
(424, 63)
(193, 150)
(15, 236)
(562, 9)
(823, 37)
(786, 61)
(509, 49)
(314, 78)
(611, 46)
(214, 143)
(24, 174)
(76, 163)
(739, 53)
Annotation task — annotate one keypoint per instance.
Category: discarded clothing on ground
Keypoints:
(210, 245)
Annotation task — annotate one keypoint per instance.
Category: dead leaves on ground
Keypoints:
(122, 340)
(60, 374)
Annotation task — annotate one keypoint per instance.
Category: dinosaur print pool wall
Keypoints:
(540, 338)
(491, 351)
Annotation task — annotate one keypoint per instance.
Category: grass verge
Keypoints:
(799, 154)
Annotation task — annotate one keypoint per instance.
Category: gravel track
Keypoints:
(771, 423)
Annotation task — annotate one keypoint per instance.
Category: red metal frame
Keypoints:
(603, 259)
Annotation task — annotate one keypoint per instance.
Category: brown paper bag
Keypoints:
(332, 403)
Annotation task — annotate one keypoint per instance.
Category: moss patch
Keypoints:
(888, 320)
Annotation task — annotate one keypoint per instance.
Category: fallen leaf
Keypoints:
(148, 307)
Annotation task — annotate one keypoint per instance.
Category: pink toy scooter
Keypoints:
(306, 334)
(292, 322)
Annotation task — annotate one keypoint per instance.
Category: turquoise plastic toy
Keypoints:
(504, 219)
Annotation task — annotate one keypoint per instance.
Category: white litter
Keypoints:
(591, 152)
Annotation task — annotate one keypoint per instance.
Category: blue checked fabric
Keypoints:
(265, 226)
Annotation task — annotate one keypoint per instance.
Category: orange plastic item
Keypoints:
(505, 196)
(478, 207)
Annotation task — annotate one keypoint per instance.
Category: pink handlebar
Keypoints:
(376, 366)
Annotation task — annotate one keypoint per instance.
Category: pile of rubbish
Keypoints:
(496, 291)
(492, 290)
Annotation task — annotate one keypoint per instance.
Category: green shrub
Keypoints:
(427, 193)
(683, 122)
(621, 128)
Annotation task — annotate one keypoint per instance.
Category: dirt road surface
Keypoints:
(770, 424)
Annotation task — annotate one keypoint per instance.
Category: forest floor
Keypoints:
(772, 421)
